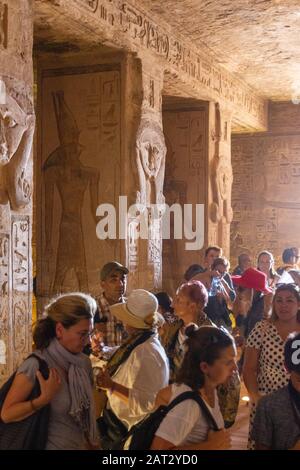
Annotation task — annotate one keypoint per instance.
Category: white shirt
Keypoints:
(145, 372)
(185, 423)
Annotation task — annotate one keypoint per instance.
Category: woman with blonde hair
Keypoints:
(264, 370)
(59, 337)
(265, 264)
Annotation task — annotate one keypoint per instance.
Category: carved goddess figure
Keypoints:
(16, 137)
(221, 179)
(150, 160)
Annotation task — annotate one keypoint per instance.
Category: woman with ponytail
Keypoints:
(208, 362)
(59, 338)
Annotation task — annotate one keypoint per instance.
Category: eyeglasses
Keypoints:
(86, 335)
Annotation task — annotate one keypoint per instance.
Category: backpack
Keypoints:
(142, 434)
(31, 432)
(111, 429)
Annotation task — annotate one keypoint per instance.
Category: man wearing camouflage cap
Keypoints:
(113, 277)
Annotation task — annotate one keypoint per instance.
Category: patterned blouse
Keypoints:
(272, 374)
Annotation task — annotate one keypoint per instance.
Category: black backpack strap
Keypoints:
(146, 335)
(196, 397)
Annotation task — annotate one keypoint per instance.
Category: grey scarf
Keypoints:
(80, 388)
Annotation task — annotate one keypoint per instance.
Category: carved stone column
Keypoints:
(16, 135)
(186, 134)
(146, 144)
(220, 178)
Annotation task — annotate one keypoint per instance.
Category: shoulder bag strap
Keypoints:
(43, 366)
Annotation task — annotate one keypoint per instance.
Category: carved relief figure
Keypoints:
(16, 136)
(150, 160)
(221, 180)
(64, 170)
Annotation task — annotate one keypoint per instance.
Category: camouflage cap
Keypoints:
(110, 268)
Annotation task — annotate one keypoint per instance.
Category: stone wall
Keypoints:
(266, 185)
(17, 122)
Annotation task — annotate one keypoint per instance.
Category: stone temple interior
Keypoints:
(107, 104)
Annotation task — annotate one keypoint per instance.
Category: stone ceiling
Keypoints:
(258, 40)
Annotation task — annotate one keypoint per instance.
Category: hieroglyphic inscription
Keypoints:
(141, 29)
(20, 254)
(110, 108)
(132, 255)
(93, 105)
(265, 194)
(155, 253)
(90, 4)
(4, 266)
(21, 305)
(284, 117)
(3, 25)
(4, 301)
(151, 94)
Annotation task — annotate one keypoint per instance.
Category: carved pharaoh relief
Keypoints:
(150, 152)
(17, 123)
